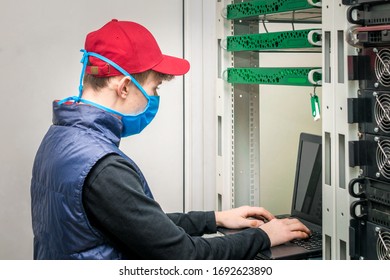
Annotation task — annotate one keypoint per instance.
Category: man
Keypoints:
(91, 201)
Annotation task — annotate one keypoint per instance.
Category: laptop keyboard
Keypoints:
(313, 242)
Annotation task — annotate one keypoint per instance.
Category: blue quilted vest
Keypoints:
(79, 137)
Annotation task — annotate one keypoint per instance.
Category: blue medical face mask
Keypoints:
(132, 124)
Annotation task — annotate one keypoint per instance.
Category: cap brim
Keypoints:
(172, 66)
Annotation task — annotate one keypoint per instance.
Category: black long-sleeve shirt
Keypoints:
(136, 225)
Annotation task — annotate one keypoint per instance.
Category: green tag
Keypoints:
(315, 107)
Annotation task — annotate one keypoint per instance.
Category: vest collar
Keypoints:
(88, 117)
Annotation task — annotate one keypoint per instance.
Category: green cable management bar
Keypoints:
(264, 7)
(287, 40)
(297, 76)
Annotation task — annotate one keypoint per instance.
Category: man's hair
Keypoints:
(97, 83)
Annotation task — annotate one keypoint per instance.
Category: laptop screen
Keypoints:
(307, 196)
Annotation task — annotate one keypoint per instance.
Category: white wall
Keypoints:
(39, 53)
(39, 50)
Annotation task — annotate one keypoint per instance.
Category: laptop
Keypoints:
(306, 204)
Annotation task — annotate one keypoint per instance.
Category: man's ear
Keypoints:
(123, 88)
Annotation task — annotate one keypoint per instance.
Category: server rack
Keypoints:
(370, 67)
(241, 73)
(354, 77)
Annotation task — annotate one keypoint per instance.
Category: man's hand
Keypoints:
(243, 217)
(280, 231)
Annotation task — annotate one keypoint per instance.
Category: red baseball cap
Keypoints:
(131, 46)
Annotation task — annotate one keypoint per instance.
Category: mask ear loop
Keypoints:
(120, 69)
(84, 61)
(77, 99)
